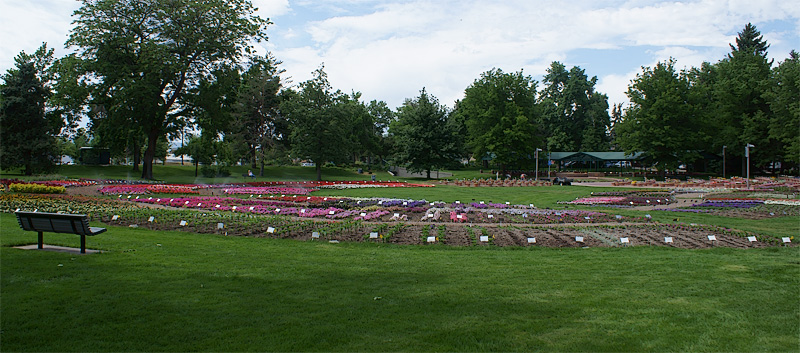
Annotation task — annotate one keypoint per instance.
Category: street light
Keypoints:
(537, 163)
(747, 154)
(723, 161)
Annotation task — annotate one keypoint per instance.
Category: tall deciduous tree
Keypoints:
(382, 118)
(575, 115)
(422, 136)
(663, 117)
(148, 52)
(258, 122)
(500, 111)
(27, 131)
(319, 131)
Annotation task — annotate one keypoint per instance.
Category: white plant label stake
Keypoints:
(484, 238)
(712, 237)
(183, 223)
(667, 239)
(116, 217)
(373, 235)
(151, 219)
(624, 240)
(315, 235)
(579, 239)
(431, 239)
(751, 239)
(531, 240)
(220, 225)
(270, 230)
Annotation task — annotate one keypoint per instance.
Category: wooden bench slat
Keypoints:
(57, 223)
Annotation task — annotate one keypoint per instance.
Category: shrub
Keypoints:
(37, 189)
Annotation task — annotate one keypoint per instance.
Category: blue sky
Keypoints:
(389, 50)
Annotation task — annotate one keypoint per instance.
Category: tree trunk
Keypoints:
(319, 171)
(196, 167)
(253, 164)
(429, 173)
(28, 165)
(136, 155)
(149, 155)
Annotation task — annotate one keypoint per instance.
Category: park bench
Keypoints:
(57, 223)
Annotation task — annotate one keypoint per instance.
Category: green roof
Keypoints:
(595, 156)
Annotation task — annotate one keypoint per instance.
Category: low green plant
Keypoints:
(441, 232)
(37, 189)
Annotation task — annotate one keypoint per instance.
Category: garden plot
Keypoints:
(417, 222)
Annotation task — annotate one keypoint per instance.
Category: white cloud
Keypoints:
(26, 24)
(392, 50)
(271, 8)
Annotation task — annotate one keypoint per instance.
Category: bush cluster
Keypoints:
(37, 189)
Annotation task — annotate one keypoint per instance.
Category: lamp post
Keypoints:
(747, 154)
(537, 163)
(723, 161)
(549, 160)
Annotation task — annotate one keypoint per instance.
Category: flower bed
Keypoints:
(625, 199)
(37, 189)
(269, 190)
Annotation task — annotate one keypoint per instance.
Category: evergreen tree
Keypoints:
(27, 131)
(743, 113)
(784, 101)
(422, 136)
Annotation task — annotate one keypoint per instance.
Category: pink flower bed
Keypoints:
(269, 190)
(599, 200)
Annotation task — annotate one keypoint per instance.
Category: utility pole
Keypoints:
(747, 154)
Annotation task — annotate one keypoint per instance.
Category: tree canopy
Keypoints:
(662, 119)
(500, 112)
(27, 131)
(422, 136)
(144, 54)
(319, 131)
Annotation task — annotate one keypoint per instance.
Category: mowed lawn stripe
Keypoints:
(176, 291)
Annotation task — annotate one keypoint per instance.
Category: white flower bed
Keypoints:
(782, 202)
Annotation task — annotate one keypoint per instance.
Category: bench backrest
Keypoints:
(54, 222)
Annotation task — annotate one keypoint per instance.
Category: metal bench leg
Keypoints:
(41, 240)
(83, 243)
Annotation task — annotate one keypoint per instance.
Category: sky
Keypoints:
(390, 49)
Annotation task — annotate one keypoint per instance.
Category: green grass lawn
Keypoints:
(175, 291)
(540, 196)
(186, 174)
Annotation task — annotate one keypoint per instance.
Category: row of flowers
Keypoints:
(628, 201)
(61, 183)
(269, 190)
(37, 189)
(334, 184)
(148, 189)
(375, 209)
